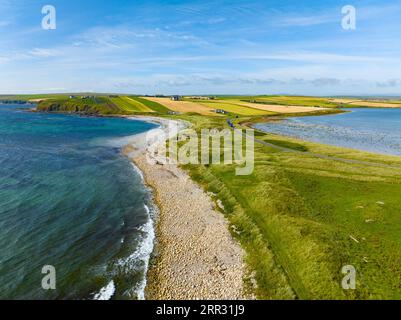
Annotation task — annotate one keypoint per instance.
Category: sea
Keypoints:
(72, 202)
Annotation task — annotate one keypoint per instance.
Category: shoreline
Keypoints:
(359, 146)
(194, 255)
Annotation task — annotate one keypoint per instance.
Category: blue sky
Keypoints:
(201, 47)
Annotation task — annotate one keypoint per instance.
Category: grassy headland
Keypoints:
(99, 105)
(299, 217)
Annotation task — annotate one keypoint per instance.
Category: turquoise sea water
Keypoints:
(70, 199)
(377, 130)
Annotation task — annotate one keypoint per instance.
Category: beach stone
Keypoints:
(198, 259)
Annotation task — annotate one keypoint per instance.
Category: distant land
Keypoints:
(237, 105)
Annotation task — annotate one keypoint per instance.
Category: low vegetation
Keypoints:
(130, 105)
(302, 218)
(105, 105)
(156, 107)
(296, 101)
(320, 102)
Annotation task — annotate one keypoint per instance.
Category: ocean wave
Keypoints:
(119, 142)
(139, 172)
(145, 252)
(107, 292)
(136, 262)
(142, 254)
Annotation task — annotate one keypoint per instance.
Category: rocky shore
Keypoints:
(195, 255)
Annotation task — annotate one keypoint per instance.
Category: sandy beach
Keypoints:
(195, 255)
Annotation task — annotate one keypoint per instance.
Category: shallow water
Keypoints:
(70, 199)
(377, 130)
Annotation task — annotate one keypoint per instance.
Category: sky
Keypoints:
(201, 47)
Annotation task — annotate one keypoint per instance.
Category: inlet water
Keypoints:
(375, 129)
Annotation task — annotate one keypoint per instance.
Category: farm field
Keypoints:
(234, 108)
(277, 108)
(321, 102)
(157, 107)
(101, 104)
(130, 105)
(183, 106)
(134, 104)
(234, 105)
(285, 100)
(372, 104)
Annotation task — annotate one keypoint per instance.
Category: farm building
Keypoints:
(220, 111)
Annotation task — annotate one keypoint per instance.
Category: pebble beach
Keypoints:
(195, 256)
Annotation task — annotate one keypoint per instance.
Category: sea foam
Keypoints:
(142, 254)
(107, 292)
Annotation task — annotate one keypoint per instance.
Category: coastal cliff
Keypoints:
(97, 106)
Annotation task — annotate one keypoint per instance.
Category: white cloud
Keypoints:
(128, 37)
(44, 53)
(334, 15)
(314, 57)
(303, 21)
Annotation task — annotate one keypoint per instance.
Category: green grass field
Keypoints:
(157, 107)
(97, 105)
(302, 218)
(308, 101)
(130, 105)
(280, 100)
(294, 101)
